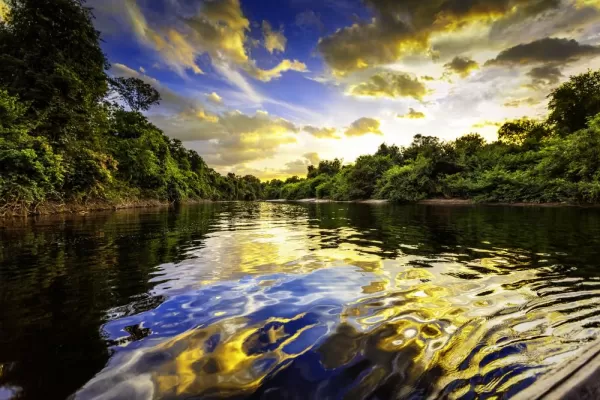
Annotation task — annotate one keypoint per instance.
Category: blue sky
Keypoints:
(269, 86)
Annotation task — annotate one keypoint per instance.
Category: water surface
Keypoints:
(269, 301)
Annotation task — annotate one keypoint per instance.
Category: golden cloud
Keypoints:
(321, 133)
(267, 75)
(175, 49)
(484, 124)
(313, 158)
(391, 84)
(219, 29)
(402, 28)
(298, 167)
(215, 98)
(274, 40)
(364, 126)
(412, 114)
(528, 101)
(462, 66)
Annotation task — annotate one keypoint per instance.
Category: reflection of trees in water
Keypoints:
(60, 274)
(431, 230)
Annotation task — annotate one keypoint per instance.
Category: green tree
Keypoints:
(574, 102)
(51, 59)
(137, 94)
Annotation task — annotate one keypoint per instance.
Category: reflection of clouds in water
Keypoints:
(249, 327)
(274, 301)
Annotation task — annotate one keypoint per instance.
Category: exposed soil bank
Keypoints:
(50, 208)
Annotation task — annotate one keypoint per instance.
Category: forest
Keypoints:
(71, 133)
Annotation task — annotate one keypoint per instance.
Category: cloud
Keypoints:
(546, 75)
(527, 101)
(321, 133)
(484, 124)
(547, 50)
(298, 167)
(427, 78)
(364, 126)
(240, 138)
(175, 49)
(402, 28)
(461, 66)
(267, 75)
(215, 98)
(274, 40)
(308, 19)
(391, 84)
(313, 158)
(171, 101)
(218, 29)
(412, 114)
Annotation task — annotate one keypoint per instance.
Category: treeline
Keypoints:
(70, 133)
(551, 160)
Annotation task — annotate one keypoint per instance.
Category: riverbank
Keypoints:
(52, 208)
(81, 208)
(439, 202)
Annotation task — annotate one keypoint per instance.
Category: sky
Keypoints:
(268, 87)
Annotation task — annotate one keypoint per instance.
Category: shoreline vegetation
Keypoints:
(74, 139)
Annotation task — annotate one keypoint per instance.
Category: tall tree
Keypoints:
(575, 101)
(51, 59)
(138, 95)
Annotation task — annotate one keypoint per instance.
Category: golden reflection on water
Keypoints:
(445, 324)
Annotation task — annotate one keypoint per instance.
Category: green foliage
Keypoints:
(61, 139)
(30, 169)
(410, 182)
(574, 102)
(137, 94)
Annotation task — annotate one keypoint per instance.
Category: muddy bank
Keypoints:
(51, 208)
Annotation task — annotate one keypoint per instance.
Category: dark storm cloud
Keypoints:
(547, 50)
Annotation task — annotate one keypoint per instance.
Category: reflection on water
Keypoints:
(255, 300)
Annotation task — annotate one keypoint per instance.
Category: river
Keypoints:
(298, 301)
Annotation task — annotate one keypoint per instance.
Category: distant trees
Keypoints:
(553, 160)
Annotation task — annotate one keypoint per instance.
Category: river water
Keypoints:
(298, 301)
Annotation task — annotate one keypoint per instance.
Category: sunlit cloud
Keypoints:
(218, 29)
(390, 84)
(214, 98)
(364, 126)
(462, 66)
(274, 40)
(400, 29)
(528, 101)
(322, 133)
(412, 114)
